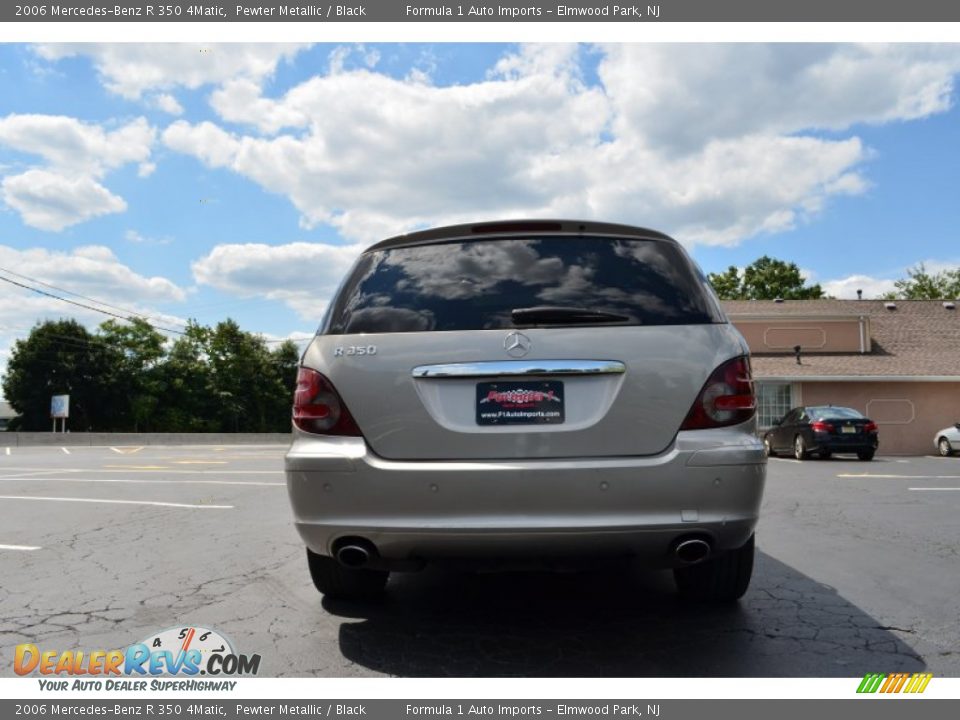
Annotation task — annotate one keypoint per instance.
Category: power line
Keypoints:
(130, 313)
(79, 295)
(90, 307)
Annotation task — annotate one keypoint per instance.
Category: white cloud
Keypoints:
(67, 188)
(76, 147)
(418, 154)
(937, 266)
(135, 237)
(168, 103)
(713, 143)
(130, 69)
(91, 270)
(874, 287)
(846, 288)
(679, 97)
(210, 143)
(53, 202)
(339, 56)
(301, 275)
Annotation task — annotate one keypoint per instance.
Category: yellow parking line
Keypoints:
(899, 477)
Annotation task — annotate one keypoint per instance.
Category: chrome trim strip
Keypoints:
(513, 368)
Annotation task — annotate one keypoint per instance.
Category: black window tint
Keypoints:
(475, 285)
(844, 413)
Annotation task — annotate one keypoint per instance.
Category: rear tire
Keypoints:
(944, 448)
(723, 579)
(338, 582)
(800, 451)
(865, 454)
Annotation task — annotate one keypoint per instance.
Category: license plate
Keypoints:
(848, 429)
(513, 402)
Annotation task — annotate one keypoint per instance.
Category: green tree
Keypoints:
(728, 285)
(251, 386)
(185, 376)
(284, 362)
(765, 279)
(128, 377)
(921, 285)
(133, 381)
(58, 358)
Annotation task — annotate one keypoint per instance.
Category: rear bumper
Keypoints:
(708, 484)
(844, 445)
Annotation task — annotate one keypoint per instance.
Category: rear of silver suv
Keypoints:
(526, 390)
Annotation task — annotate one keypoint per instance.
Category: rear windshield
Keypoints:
(476, 285)
(821, 413)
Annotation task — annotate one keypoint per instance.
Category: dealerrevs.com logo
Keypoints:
(174, 652)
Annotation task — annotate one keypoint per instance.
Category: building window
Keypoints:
(774, 400)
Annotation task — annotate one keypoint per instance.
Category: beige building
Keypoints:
(896, 362)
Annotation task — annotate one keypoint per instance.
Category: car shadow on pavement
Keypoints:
(613, 624)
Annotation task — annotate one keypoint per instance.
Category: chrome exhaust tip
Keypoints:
(353, 555)
(693, 550)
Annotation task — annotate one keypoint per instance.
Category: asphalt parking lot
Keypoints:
(857, 572)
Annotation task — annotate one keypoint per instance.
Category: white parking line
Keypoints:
(65, 450)
(134, 470)
(8, 451)
(118, 502)
(20, 547)
(926, 488)
(26, 478)
(899, 477)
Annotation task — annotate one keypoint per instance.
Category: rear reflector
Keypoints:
(727, 398)
(317, 408)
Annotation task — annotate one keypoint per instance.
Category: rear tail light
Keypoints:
(726, 399)
(317, 408)
(870, 427)
(821, 426)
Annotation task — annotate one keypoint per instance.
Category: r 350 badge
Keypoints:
(351, 350)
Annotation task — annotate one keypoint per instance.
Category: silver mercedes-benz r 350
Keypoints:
(523, 391)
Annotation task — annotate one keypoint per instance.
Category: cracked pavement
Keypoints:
(854, 574)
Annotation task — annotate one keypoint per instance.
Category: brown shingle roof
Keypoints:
(919, 338)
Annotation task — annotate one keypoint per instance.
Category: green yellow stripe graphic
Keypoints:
(894, 682)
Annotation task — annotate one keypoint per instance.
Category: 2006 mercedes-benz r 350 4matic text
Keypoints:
(526, 390)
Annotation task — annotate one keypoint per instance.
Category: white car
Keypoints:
(947, 441)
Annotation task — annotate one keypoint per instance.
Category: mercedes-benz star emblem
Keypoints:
(516, 344)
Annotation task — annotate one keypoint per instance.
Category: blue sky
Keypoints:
(204, 181)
